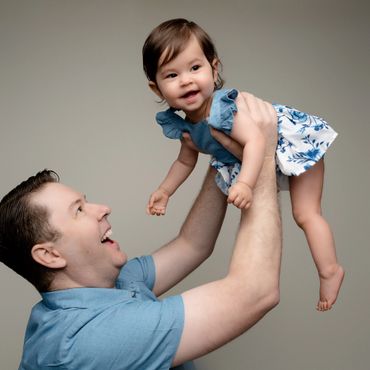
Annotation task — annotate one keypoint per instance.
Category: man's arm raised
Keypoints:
(196, 239)
(218, 312)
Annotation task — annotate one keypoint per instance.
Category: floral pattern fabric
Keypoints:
(303, 139)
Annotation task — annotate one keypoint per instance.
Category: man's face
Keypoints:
(92, 258)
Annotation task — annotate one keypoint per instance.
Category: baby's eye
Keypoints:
(195, 67)
(79, 209)
(171, 75)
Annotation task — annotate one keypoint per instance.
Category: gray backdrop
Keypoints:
(73, 98)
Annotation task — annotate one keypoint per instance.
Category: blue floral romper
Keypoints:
(302, 138)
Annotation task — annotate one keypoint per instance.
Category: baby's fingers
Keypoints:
(159, 211)
(231, 197)
(152, 199)
(234, 197)
(245, 204)
(150, 210)
(239, 201)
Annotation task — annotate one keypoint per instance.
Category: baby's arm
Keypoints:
(178, 173)
(253, 142)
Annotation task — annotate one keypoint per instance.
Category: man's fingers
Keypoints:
(228, 143)
(187, 139)
(186, 136)
(265, 116)
(250, 101)
(255, 106)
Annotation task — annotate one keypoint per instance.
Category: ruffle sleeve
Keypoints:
(223, 109)
(171, 123)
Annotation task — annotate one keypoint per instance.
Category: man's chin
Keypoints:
(123, 259)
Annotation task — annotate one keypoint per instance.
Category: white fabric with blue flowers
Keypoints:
(303, 140)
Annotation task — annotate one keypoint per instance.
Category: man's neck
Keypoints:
(63, 281)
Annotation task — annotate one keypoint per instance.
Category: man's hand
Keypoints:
(186, 138)
(158, 202)
(228, 143)
(262, 114)
(240, 194)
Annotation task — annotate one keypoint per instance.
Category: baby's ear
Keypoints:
(215, 65)
(153, 86)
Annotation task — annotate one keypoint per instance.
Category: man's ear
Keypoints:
(153, 86)
(47, 255)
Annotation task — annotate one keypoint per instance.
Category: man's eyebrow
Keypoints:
(78, 201)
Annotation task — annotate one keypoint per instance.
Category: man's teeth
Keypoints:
(106, 235)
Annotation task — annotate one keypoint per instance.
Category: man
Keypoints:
(99, 311)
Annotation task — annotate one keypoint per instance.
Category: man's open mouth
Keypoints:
(106, 237)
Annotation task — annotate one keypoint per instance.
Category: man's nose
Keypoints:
(101, 210)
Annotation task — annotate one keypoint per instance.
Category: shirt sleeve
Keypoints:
(140, 269)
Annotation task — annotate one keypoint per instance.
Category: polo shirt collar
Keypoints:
(83, 297)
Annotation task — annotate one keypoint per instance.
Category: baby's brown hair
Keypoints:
(171, 37)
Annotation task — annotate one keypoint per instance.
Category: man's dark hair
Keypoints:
(24, 224)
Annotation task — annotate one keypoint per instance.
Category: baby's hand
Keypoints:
(240, 194)
(158, 202)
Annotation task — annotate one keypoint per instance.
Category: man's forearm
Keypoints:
(204, 221)
(219, 311)
(196, 239)
(257, 254)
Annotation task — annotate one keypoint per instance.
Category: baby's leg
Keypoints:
(305, 193)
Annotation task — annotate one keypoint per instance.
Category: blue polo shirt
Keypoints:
(105, 329)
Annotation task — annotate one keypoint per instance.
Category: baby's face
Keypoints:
(187, 81)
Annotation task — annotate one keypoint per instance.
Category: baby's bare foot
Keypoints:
(329, 288)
